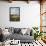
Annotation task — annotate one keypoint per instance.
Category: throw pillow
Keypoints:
(23, 30)
(17, 30)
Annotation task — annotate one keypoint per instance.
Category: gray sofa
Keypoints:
(15, 33)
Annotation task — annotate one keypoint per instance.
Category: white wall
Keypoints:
(29, 14)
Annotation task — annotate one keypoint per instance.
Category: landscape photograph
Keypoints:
(14, 14)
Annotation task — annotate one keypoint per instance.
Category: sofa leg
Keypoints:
(33, 45)
(21, 44)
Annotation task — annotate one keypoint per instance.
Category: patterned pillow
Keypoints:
(11, 30)
(17, 30)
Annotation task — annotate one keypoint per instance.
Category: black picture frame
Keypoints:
(14, 13)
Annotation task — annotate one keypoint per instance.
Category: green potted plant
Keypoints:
(37, 33)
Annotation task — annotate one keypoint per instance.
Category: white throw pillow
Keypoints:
(24, 30)
(5, 32)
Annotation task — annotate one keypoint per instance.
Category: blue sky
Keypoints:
(15, 11)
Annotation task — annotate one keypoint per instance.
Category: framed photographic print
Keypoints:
(14, 13)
